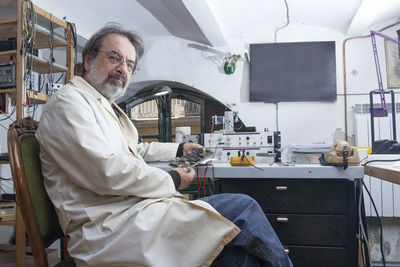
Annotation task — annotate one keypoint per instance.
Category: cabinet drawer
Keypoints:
(313, 230)
(319, 256)
(317, 196)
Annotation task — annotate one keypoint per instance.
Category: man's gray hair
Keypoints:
(93, 44)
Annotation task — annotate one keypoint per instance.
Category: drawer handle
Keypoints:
(281, 188)
(282, 219)
(287, 251)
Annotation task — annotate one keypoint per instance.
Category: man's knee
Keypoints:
(246, 200)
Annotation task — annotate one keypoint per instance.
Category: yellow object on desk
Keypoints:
(243, 161)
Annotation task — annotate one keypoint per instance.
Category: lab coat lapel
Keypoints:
(129, 128)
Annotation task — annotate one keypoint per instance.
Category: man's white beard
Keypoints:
(107, 88)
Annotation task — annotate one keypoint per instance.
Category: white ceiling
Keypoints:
(218, 22)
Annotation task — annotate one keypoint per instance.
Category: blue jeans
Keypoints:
(257, 243)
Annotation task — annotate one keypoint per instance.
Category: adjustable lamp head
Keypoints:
(161, 90)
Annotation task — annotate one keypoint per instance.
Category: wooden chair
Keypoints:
(37, 210)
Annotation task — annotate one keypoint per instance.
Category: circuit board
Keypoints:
(192, 159)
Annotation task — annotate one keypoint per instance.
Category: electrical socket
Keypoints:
(54, 88)
(57, 86)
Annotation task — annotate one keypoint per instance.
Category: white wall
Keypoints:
(174, 59)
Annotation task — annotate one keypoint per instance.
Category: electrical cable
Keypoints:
(33, 111)
(345, 158)
(28, 42)
(3, 127)
(74, 38)
(204, 181)
(9, 186)
(198, 182)
(276, 116)
(233, 126)
(251, 164)
(1, 188)
(380, 160)
(9, 116)
(41, 82)
(362, 233)
(209, 179)
(287, 21)
(379, 148)
(380, 225)
(62, 74)
(50, 76)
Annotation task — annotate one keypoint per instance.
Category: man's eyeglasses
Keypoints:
(115, 58)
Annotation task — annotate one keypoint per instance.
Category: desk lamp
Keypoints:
(164, 112)
(161, 91)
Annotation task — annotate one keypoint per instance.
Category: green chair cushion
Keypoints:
(45, 214)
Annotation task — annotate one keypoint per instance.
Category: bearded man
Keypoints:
(115, 209)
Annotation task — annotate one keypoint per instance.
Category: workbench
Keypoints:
(385, 172)
(312, 208)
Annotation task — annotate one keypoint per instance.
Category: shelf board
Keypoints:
(7, 21)
(47, 16)
(4, 162)
(8, 28)
(11, 223)
(42, 66)
(8, 53)
(8, 90)
(42, 39)
(36, 97)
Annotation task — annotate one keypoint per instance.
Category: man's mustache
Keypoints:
(117, 75)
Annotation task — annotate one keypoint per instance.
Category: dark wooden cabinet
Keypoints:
(315, 219)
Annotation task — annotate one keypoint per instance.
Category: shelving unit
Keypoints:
(13, 28)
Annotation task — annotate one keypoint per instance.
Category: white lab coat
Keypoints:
(115, 209)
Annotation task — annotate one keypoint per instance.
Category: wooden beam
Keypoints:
(70, 54)
(20, 96)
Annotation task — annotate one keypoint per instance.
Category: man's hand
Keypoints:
(187, 176)
(190, 147)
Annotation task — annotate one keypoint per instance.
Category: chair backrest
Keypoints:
(37, 210)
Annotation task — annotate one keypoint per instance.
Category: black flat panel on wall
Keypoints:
(287, 72)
